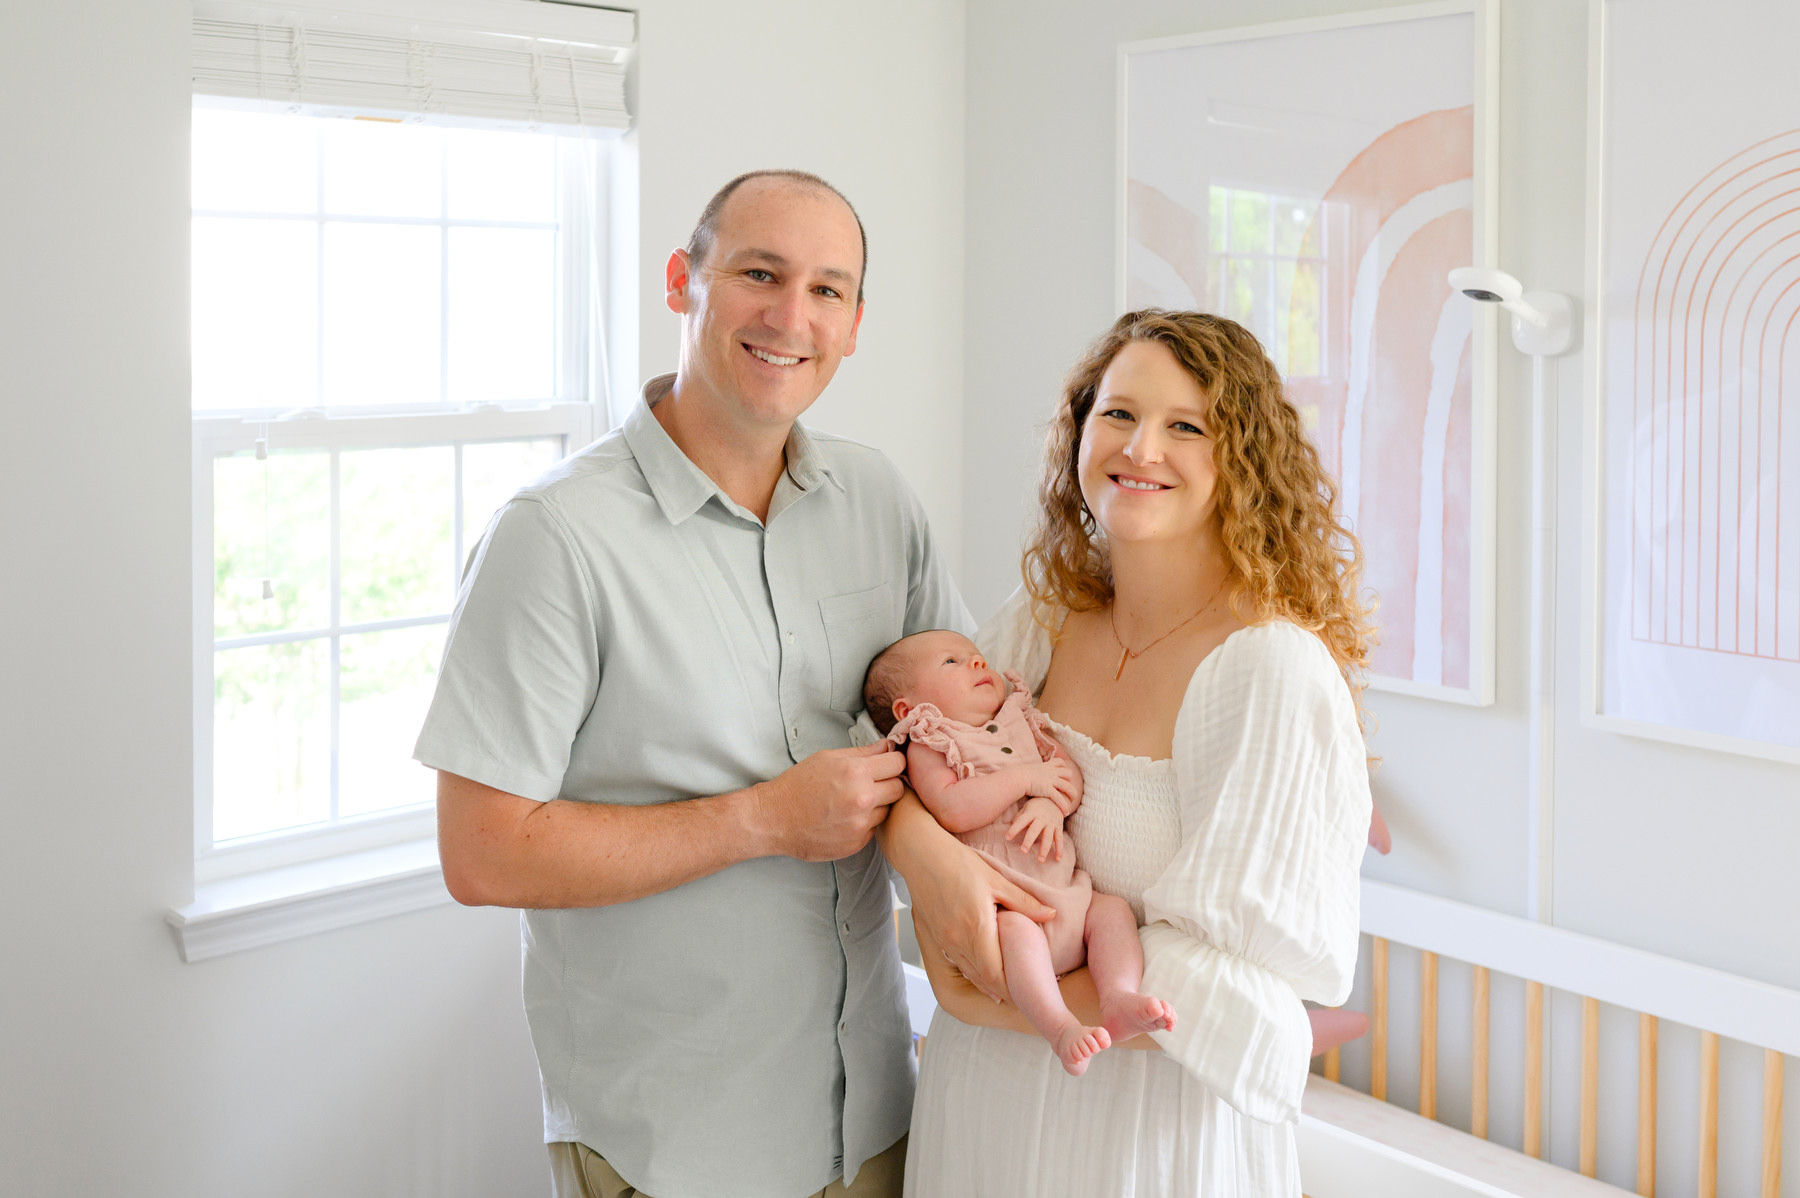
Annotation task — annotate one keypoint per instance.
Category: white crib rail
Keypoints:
(1708, 999)
(1716, 1003)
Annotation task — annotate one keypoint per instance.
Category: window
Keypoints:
(389, 336)
(1264, 271)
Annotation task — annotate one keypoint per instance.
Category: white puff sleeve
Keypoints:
(1259, 907)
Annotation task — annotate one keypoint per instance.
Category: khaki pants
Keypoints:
(577, 1171)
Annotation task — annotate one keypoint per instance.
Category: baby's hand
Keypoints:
(1055, 780)
(1039, 822)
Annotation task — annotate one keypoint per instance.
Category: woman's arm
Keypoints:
(953, 891)
(959, 997)
(1258, 908)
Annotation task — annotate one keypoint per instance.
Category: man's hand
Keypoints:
(1039, 822)
(826, 807)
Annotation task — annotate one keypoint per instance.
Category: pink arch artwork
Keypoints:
(1394, 402)
(1713, 342)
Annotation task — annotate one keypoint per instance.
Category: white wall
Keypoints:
(1679, 851)
(871, 98)
(390, 1058)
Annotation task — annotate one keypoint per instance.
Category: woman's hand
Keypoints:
(1039, 822)
(959, 998)
(954, 891)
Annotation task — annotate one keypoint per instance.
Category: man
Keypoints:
(641, 727)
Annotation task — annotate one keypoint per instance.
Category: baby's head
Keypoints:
(942, 668)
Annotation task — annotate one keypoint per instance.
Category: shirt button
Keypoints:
(1006, 748)
(790, 637)
(993, 727)
(844, 1026)
(846, 926)
(796, 731)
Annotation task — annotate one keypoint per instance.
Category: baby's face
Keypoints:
(947, 671)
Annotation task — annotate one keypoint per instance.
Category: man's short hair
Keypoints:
(706, 232)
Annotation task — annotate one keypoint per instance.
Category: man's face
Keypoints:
(773, 308)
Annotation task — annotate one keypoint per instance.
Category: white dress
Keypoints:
(1241, 856)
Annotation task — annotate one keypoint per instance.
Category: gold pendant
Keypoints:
(1124, 656)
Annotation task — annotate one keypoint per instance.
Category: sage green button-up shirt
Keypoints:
(627, 634)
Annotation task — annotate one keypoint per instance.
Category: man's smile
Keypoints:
(773, 359)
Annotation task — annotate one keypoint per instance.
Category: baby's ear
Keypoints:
(900, 708)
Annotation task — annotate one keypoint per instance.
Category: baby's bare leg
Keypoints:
(1031, 980)
(1116, 963)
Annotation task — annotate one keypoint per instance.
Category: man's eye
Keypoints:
(759, 274)
(830, 293)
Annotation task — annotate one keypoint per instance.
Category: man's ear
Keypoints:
(675, 281)
(850, 345)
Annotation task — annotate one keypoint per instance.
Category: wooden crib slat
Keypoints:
(1334, 1064)
(1709, 1115)
(1590, 1085)
(1646, 1169)
(1534, 1069)
(1428, 1019)
(1378, 1032)
(1771, 1143)
(1478, 1067)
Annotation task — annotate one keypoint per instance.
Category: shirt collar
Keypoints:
(682, 488)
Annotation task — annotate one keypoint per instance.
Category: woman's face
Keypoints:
(1146, 462)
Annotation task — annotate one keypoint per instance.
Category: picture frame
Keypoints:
(1690, 577)
(1316, 180)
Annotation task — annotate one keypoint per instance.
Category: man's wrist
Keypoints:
(747, 810)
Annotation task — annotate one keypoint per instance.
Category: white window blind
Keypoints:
(523, 61)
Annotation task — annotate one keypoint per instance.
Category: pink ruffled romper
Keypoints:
(1018, 734)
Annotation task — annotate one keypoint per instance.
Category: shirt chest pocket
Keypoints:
(857, 627)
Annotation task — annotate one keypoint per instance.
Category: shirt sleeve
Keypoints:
(521, 664)
(1259, 907)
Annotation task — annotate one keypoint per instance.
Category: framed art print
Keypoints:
(1316, 181)
(1693, 508)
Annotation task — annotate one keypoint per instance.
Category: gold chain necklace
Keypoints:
(1126, 654)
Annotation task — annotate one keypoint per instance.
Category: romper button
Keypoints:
(993, 727)
(1006, 748)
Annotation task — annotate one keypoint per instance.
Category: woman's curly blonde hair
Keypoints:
(1290, 556)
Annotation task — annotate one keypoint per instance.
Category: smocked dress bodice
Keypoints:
(1240, 857)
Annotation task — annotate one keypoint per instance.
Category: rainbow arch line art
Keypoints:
(1713, 564)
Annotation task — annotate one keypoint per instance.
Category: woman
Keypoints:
(1189, 619)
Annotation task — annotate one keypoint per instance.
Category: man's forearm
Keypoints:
(501, 850)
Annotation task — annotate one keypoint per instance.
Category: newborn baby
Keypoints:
(983, 762)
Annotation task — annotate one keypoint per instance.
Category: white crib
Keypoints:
(1357, 1145)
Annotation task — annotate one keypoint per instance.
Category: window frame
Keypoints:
(578, 412)
(572, 422)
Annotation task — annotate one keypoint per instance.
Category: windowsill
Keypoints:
(252, 910)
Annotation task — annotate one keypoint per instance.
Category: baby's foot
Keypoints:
(1334, 1026)
(1128, 1015)
(1075, 1044)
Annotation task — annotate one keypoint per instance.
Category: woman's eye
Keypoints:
(1116, 414)
(1185, 427)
